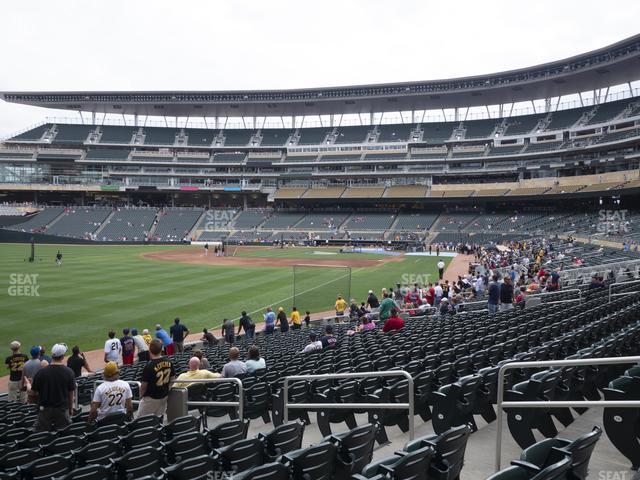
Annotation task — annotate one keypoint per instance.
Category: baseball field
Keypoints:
(98, 288)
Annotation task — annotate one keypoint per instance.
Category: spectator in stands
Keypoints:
(385, 307)
(15, 363)
(269, 321)
(372, 300)
(204, 363)
(112, 348)
(445, 308)
(77, 362)
(314, 344)
(255, 361)
(506, 294)
(178, 333)
(43, 354)
(128, 347)
(53, 389)
(141, 345)
(394, 322)
(194, 373)
(156, 376)
(437, 290)
(596, 282)
(147, 336)
(227, 331)
(521, 298)
(208, 338)
(233, 367)
(307, 318)
(34, 365)
(296, 324)
(112, 397)
(166, 340)
(282, 320)
(494, 295)
(366, 324)
(328, 340)
(247, 325)
(340, 306)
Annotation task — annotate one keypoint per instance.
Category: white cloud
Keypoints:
(238, 44)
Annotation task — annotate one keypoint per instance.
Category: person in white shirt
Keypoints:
(441, 269)
(314, 344)
(112, 396)
(438, 292)
(112, 348)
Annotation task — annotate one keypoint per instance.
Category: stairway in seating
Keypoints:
(106, 222)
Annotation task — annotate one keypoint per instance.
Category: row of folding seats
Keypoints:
(553, 458)
(622, 425)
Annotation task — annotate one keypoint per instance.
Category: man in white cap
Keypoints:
(53, 389)
(15, 363)
(113, 396)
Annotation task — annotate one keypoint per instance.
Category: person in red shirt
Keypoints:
(430, 295)
(394, 322)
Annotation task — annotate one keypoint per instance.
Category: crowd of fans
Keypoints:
(503, 276)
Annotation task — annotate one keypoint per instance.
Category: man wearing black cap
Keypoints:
(53, 390)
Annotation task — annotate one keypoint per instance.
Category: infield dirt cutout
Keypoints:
(196, 256)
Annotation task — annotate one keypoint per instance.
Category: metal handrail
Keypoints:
(500, 404)
(237, 381)
(621, 283)
(348, 406)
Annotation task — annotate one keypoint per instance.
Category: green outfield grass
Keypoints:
(110, 287)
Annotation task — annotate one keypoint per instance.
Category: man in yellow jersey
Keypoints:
(296, 323)
(341, 306)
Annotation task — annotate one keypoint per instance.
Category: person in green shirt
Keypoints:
(385, 306)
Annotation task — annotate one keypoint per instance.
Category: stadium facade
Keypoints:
(586, 154)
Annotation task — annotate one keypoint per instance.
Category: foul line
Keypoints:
(301, 293)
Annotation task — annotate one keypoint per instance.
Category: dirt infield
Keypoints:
(196, 257)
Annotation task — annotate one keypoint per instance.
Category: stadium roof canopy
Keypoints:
(612, 65)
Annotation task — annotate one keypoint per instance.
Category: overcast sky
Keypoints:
(264, 44)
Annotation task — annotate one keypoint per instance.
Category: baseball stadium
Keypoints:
(436, 279)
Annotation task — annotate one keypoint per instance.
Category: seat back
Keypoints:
(283, 439)
(144, 422)
(187, 445)
(355, 447)
(412, 466)
(181, 425)
(63, 445)
(227, 433)
(555, 471)
(139, 462)
(142, 437)
(90, 472)
(15, 458)
(46, 468)
(241, 455)
(97, 453)
(268, 471)
(581, 449)
(193, 468)
(449, 449)
(316, 462)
